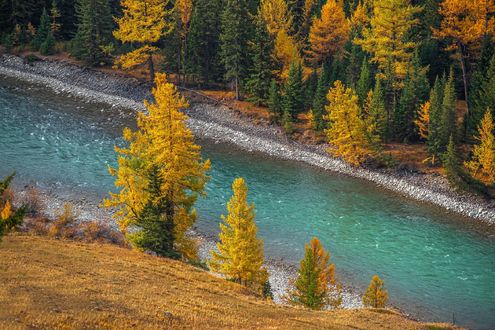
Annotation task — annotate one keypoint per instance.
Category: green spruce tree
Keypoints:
(293, 100)
(258, 82)
(451, 162)
(320, 102)
(365, 82)
(449, 113)
(435, 124)
(377, 114)
(274, 99)
(42, 31)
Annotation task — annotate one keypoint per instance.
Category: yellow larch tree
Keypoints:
(464, 24)
(316, 286)
(143, 23)
(286, 52)
(387, 38)
(240, 254)
(423, 120)
(159, 176)
(482, 165)
(375, 296)
(276, 15)
(183, 11)
(329, 33)
(347, 132)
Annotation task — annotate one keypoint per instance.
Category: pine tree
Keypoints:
(320, 102)
(435, 123)
(449, 113)
(10, 217)
(258, 82)
(365, 82)
(93, 31)
(240, 252)
(293, 100)
(143, 22)
(347, 131)
(233, 42)
(274, 99)
(376, 112)
(450, 160)
(415, 93)
(203, 42)
(316, 285)
(161, 153)
(482, 165)
(375, 296)
(329, 33)
(42, 31)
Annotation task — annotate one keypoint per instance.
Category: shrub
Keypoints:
(33, 202)
(94, 231)
(64, 224)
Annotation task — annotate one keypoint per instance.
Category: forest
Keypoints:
(364, 73)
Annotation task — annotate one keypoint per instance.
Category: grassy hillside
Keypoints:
(61, 284)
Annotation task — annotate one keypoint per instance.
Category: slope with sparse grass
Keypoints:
(49, 284)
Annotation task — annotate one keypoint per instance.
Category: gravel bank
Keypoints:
(221, 124)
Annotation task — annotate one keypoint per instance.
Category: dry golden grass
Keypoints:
(52, 284)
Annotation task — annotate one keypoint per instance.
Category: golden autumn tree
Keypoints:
(183, 11)
(482, 165)
(347, 132)
(375, 296)
(159, 177)
(316, 286)
(240, 254)
(286, 52)
(143, 23)
(465, 23)
(388, 38)
(329, 33)
(276, 15)
(10, 217)
(423, 120)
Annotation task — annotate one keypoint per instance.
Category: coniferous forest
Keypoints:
(364, 73)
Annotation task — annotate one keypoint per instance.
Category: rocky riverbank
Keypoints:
(221, 124)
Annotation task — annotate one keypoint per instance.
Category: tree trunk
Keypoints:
(151, 68)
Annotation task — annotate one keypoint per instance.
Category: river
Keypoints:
(435, 266)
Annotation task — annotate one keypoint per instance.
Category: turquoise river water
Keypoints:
(435, 266)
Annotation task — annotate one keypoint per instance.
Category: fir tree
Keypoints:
(233, 42)
(42, 31)
(449, 113)
(293, 100)
(203, 43)
(365, 82)
(482, 165)
(93, 31)
(450, 160)
(258, 83)
(320, 102)
(316, 280)
(240, 252)
(10, 217)
(375, 296)
(414, 93)
(161, 152)
(274, 99)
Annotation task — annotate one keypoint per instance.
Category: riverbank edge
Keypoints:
(257, 139)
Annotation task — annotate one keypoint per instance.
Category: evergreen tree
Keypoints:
(203, 43)
(42, 31)
(377, 114)
(240, 252)
(258, 82)
(316, 280)
(293, 100)
(482, 165)
(435, 122)
(375, 296)
(365, 82)
(48, 46)
(320, 102)
(10, 217)
(451, 161)
(274, 99)
(449, 113)
(161, 153)
(93, 31)
(310, 86)
(233, 42)
(414, 93)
